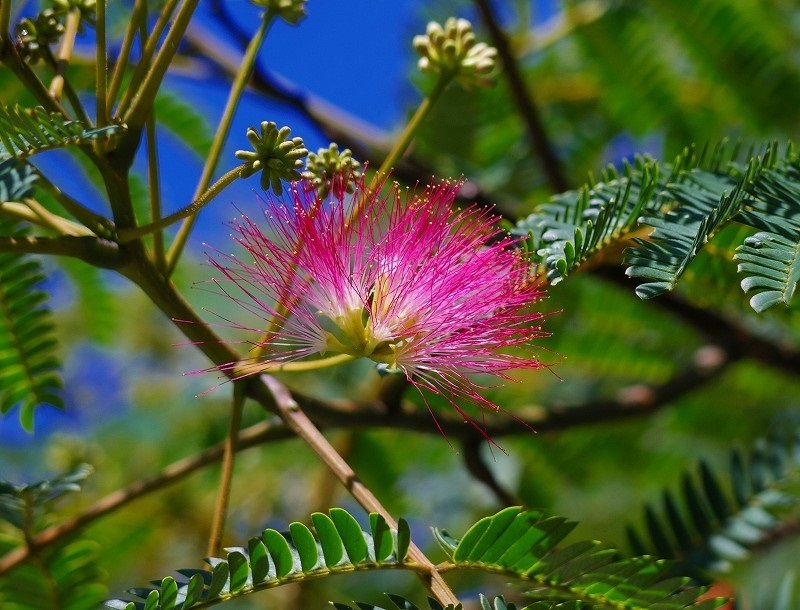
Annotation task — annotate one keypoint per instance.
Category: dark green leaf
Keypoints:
(194, 591)
(351, 534)
(259, 560)
(403, 539)
(306, 546)
(219, 580)
(329, 539)
(169, 593)
(239, 571)
(382, 539)
(280, 552)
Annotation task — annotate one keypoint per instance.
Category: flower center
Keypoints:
(355, 333)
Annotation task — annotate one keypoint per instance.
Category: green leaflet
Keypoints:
(711, 523)
(21, 504)
(704, 203)
(16, 180)
(276, 558)
(28, 361)
(27, 131)
(671, 212)
(65, 576)
(525, 544)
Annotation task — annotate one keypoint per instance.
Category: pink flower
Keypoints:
(437, 294)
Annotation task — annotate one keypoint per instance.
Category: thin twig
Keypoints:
(96, 223)
(98, 252)
(738, 340)
(143, 98)
(101, 63)
(298, 422)
(131, 233)
(241, 78)
(226, 477)
(154, 188)
(65, 52)
(478, 468)
(10, 57)
(175, 472)
(524, 100)
(150, 44)
(5, 18)
(138, 14)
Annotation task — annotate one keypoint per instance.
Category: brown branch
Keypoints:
(175, 472)
(477, 467)
(95, 251)
(300, 424)
(636, 401)
(738, 341)
(523, 98)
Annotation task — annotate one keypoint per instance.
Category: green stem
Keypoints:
(247, 367)
(101, 59)
(96, 223)
(138, 16)
(155, 189)
(149, 44)
(5, 17)
(226, 477)
(56, 222)
(128, 234)
(11, 58)
(32, 211)
(237, 88)
(69, 90)
(143, 99)
(65, 52)
(408, 133)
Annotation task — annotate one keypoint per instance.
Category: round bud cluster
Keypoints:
(274, 155)
(291, 11)
(326, 164)
(36, 34)
(454, 50)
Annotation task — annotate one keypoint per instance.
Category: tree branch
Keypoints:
(524, 101)
(175, 472)
(735, 338)
(93, 250)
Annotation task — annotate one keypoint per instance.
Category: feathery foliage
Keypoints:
(28, 360)
(710, 524)
(27, 131)
(668, 220)
(64, 576)
(337, 545)
(23, 505)
(513, 542)
(16, 180)
(525, 544)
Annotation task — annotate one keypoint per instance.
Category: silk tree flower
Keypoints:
(435, 293)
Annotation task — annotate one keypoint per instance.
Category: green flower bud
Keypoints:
(274, 155)
(291, 11)
(88, 8)
(453, 49)
(326, 164)
(34, 34)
